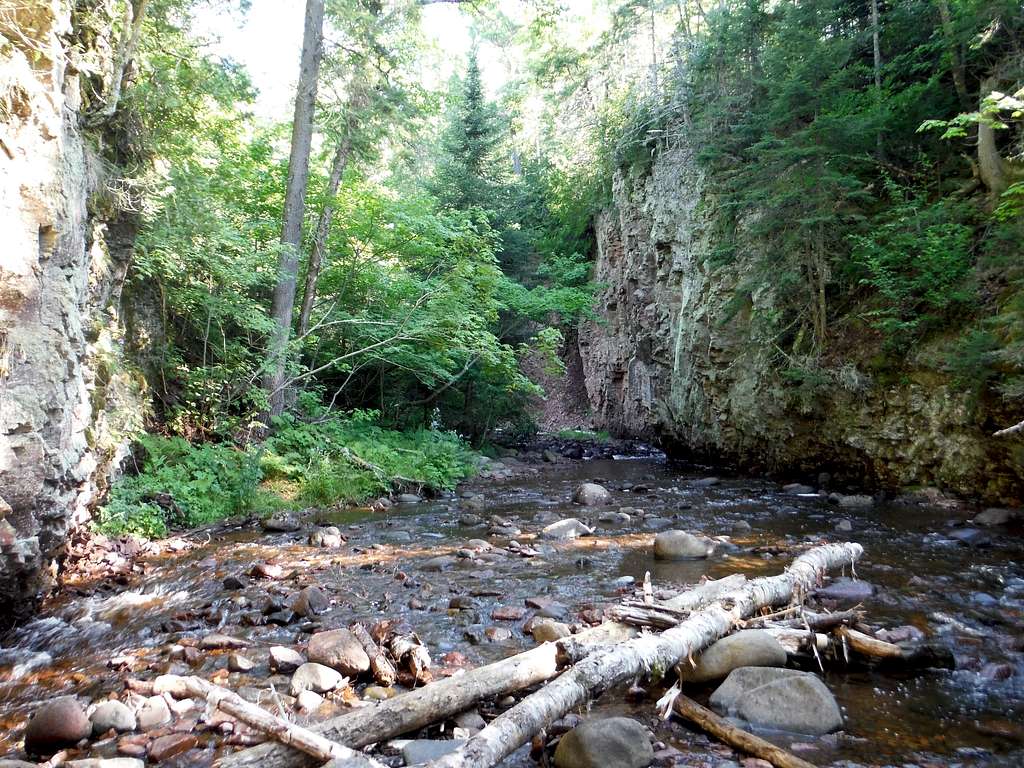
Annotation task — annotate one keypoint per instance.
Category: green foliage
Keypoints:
(180, 485)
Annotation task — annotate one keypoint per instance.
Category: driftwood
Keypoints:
(869, 646)
(737, 738)
(440, 699)
(383, 670)
(643, 655)
(409, 651)
(288, 734)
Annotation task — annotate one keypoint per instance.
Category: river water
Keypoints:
(967, 597)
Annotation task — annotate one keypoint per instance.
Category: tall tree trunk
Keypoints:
(879, 146)
(323, 229)
(294, 204)
(953, 47)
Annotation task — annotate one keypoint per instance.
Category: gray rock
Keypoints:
(239, 663)
(329, 537)
(309, 701)
(570, 528)
(778, 699)
(338, 649)
(285, 660)
(680, 545)
(843, 525)
(994, 516)
(613, 742)
(310, 602)
(547, 630)
(592, 495)
(846, 590)
(973, 537)
(470, 720)
(58, 723)
(749, 648)
(427, 750)
(314, 677)
(408, 498)
(705, 482)
(798, 488)
(741, 526)
(152, 713)
(438, 564)
(857, 501)
(112, 714)
(281, 524)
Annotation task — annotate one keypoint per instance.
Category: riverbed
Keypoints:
(964, 592)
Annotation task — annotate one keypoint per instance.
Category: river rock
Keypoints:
(749, 648)
(705, 482)
(570, 528)
(218, 641)
(408, 498)
(112, 714)
(152, 713)
(680, 545)
(314, 677)
(856, 501)
(281, 524)
(419, 751)
(239, 663)
(439, 564)
(592, 495)
(171, 745)
(310, 602)
(546, 630)
(283, 659)
(993, 516)
(59, 723)
(471, 721)
(613, 742)
(326, 537)
(309, 701)
(338, 649)
(778, 699)
(741, 526)
(798, 488)
(846, 590)
(95, 762)
(266, 571)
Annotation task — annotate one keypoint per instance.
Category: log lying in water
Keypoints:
(643, 655)
(439, 699)
(735, 737)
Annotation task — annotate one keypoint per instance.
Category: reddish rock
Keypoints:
(508, 613)
(58, 723)
(169, 746)
(266, 571)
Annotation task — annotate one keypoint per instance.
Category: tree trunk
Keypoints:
(877, 50)
(294, 204)
(953, 48)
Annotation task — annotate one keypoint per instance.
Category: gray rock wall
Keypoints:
(676, 359)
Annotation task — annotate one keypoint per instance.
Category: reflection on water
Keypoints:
(971, 598)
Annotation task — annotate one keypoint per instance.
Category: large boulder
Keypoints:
(569, 528)
(315, 677)
(112, 714)
(680, 545)
(592, 495)
(59, 723)
(750, 648)
(778, 699)
(614, 742)
(338, 649)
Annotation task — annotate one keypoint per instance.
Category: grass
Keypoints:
(601, 436)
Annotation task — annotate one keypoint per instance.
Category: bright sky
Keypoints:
(268, 41)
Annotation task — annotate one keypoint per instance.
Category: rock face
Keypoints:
(680, 545)
(778, 699)
(749, 648)
(680, 355)
(68, 400)
(614, 742)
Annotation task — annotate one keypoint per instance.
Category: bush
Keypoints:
(180, 485)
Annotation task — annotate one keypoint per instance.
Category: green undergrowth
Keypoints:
(178, 485)
(601, 436)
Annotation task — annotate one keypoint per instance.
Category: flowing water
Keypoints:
(970, 598)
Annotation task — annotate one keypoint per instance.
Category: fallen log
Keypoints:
(409, 651)
(439, 699)
(737, 738)
(383, 670)
(286, 733)
(869, 646)
(646, 654)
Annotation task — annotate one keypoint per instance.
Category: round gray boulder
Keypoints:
(750, 648)
(779, 700)
(592, 495)
(680, 545)
(613, 742)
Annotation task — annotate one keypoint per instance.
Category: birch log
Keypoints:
(645, 654)
(290, 734)
(382, 669)
(439, 699)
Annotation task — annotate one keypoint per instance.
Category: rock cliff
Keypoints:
(65, 400)
(677, 358)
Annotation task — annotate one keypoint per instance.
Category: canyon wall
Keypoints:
(676, 358)
(67, 399)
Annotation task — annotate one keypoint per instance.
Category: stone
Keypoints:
(798, 488)
(218, 641)
(266, 571)
(680, 545)
(408, 498)
(570, 528)
(705, 482)
(171, 745)
(310, 602)
(338, 649)
(314, 677)
(741, 526)
(236, 582)
(857, 501)
(778, 699)
(993, 516)
(284, 659)
(508, 613)
(843, 525)
(419, 751)
(329, 537)
(547, 631)
(438, 564)
(498, 634)
(592, 495)
(112, 714)
(972, 537)
(58, 723)
(612, 742)
(846, 590)
(378, 693)
(280, 524)
(309, 701)
(471, 721)
(98, 762)
(748, 648)
(152, 713)
(239, 663)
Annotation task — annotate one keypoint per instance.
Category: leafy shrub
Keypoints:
(180, 485)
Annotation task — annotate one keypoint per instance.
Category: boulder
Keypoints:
(613, 742)
(749, 648)
(310, 602)
(239, 663)
(680, 545)
(59, 723)
(846, 590)
(570, 528)
(857, 501)
(547, 630)
(314, 677)
(281, 524)
(993, 516)
(338, 649)
(419, 751)
(112, 714)
(309, 701)
(326, 537)
(408, 498)
(592, 495)
(283, 659)
(778, 699)
(171, 745)
(798, 489)
(152, 713)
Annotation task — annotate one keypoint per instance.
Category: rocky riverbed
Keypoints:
(508, 560)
